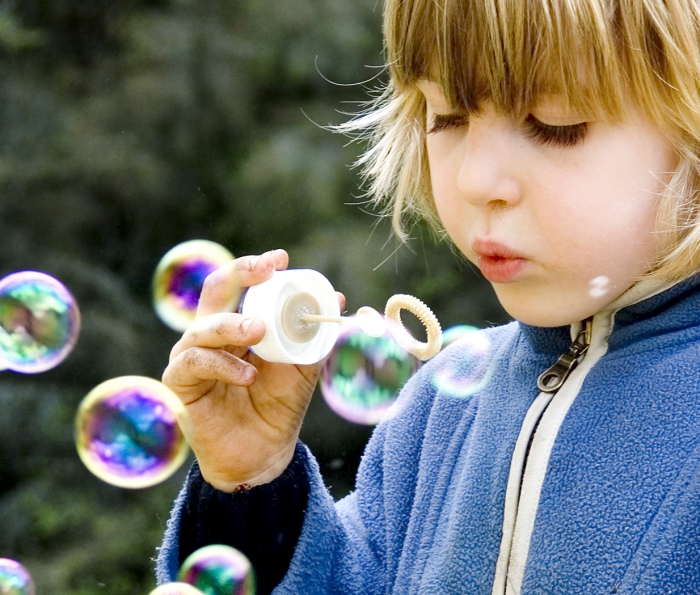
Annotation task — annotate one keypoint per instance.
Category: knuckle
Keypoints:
(165, 378)
(192, 357)
(214, 280)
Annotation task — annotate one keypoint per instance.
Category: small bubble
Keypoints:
(127, 432)
(39, 322)
(336, 464)
(371, 321)
(363, 375)
(179, 278)
(176, 589)
(599, 286)
(14, 578)
(470, 371)
(455, 333)
(219, 570)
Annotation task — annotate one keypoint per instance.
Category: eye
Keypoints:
(562, 136)
(445, 122)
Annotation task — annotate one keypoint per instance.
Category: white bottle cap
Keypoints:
(267, 299)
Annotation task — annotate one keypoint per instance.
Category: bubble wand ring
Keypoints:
(422, 350)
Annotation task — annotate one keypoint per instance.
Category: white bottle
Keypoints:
(281, 302)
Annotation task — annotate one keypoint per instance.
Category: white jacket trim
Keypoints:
(525, 481)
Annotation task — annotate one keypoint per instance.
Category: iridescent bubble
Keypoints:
(179, 277)
(176, 589)
(39, 322)
(469, 372)
(455, 333)
(219, 570)
(14, 578)
(363, 375)
(127, 432)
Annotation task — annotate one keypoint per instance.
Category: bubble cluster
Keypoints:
(219, 570)
(14, 578)
(127, 432)
(179, 277)
(471, 370)
(39, 322)
(176, 589)
(363, 375)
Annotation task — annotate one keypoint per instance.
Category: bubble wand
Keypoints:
(302, 318)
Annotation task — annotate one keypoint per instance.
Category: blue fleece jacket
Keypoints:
(618, 510)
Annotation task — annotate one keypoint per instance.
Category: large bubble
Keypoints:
(14, 578)
(39, 322)
(219, 570)
(363, 375)
(127, 432)
(179, 277)
(176, 589)
(472, 369)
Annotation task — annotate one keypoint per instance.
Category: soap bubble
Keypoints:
(179, 277)
(176, 589)
(363, 375)
(39, 322)
(599, 286)
(219, 570)
(14, 578)
(127, 432)
(455, 333)
(471, 370)
(371, 322)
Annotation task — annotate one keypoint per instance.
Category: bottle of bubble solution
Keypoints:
(302, 318)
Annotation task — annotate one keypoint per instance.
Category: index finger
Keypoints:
(223, 288)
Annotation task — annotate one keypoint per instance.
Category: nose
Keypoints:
(489, 162)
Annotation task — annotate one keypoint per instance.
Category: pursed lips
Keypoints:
(498, 262)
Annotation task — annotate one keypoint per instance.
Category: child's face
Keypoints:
(558, 215)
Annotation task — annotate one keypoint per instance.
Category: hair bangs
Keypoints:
(509, 52)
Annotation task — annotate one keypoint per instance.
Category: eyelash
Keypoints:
(445, 122)
(562, 136)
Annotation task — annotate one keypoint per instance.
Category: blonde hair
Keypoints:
(507, 51)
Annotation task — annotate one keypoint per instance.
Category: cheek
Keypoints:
(607, 219)
(444, 167)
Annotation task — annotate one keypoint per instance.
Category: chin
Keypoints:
(545, 320)
(540, 313)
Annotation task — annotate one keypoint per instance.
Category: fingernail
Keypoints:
(245, 324)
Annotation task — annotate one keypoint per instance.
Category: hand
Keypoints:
(245, 412)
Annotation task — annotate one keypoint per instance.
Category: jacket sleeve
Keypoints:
(351, 547)
(264, 522)
(334, 552)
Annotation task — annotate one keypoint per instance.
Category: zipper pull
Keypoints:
(551, 379)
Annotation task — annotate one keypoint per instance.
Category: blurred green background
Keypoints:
(128, 126)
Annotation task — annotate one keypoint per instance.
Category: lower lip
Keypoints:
(500, 270)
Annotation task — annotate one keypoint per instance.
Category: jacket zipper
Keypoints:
(551, 380)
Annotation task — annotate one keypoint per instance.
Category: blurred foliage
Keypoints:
(126, 127)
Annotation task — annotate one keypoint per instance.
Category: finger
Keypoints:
(189, 369)
(220, 330)
(222, 288)
(341, 300)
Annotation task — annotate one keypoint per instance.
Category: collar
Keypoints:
(653, 306)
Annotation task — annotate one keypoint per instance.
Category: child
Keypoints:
(556, 142)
